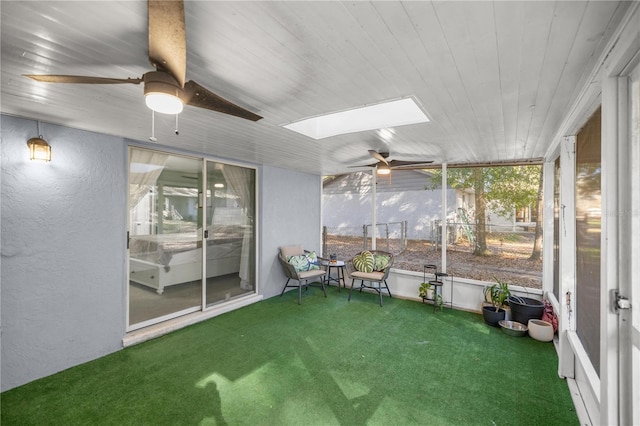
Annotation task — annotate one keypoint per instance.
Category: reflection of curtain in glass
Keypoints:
(144, 169)
(239, 178)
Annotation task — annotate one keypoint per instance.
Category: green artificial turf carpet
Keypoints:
(326, 362)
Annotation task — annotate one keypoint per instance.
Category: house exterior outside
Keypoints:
(401, 196)
(408, 196)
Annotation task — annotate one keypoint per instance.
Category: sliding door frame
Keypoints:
(630, 319)
(203, 310)
(618, 190)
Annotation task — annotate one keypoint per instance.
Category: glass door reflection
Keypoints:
(230, 248)
(165, 236)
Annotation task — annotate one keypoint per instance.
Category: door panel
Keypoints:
(165, 236)
(230, 248)
(629, 319)
(588, 199)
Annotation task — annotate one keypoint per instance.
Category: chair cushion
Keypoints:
(380, 262)
(364, 262)
(311, 274)
(288, 251)
(367, 276)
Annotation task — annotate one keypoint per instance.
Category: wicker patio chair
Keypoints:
(303, 278)
(377, 279)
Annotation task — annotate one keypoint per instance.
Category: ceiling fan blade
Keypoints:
(396, 164)
(364, 165)
(201, 97)
(79, 79)
(407, 168)
(167, 38)
(378, 156)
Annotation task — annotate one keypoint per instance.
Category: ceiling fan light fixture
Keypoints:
(162, 93)
(164, 103)
(383, 169)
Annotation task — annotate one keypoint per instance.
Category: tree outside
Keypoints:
(503, 188)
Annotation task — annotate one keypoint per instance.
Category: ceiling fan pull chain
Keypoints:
(177, 132)
(153, 138)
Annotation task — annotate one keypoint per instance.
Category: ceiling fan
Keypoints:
(384, 166)
(165, 88)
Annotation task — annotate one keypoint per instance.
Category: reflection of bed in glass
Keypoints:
(159, 261)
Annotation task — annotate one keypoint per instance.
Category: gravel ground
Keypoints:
(509, 259)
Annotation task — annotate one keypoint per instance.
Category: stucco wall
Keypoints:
(63, 264)
(289, 217)
(63, 250)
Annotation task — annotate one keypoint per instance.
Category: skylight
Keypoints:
(369, 117)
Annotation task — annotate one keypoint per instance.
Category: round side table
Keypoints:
(338, 265)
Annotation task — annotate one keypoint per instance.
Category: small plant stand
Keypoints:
(436, 284)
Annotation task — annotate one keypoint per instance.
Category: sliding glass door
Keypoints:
(165, 236)
(191, 235)
(230, 232)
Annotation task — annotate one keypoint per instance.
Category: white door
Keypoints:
(629, 319)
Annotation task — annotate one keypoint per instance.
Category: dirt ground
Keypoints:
(509, 259)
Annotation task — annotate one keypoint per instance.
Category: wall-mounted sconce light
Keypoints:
(39, 149)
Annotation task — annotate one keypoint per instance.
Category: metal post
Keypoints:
(324, 241)
(364, 235)
(387, 234)
(405, 231)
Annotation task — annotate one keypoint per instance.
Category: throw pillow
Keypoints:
(312, 258)
(300, 263)
(380, 262)
(364, 261)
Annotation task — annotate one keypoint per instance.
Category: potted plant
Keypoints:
(426, 292)
(496, 297)
(525, 308)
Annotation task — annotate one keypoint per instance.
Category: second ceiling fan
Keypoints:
(384, 166)
(165, 88)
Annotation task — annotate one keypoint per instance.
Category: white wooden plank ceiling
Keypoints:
(496, 78)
